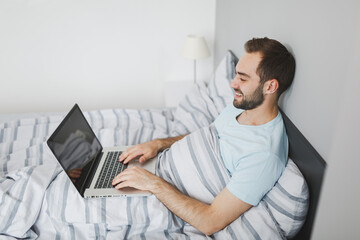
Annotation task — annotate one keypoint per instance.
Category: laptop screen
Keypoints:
(73, 142)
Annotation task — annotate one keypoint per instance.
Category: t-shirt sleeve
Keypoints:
(254, 176)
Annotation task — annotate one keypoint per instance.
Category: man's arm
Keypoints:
(148, 150)
(208, 219)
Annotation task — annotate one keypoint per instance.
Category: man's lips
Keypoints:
(238, 95)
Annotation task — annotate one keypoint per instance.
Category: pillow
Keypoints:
(288, 201)
(219, 86)
(194, 111)
(203, 104)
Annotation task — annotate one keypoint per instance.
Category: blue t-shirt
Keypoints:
(255, 156)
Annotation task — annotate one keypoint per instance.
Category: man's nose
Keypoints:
(234, 83)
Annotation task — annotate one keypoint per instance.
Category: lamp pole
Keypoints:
(194, 71)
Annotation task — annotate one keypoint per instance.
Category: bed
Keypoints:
(37, 200)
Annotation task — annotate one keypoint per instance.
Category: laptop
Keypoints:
(75, 146)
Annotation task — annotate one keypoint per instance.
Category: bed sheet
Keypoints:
(4, 118)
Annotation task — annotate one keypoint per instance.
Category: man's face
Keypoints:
(246, 84)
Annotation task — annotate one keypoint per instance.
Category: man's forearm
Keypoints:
(194, 212)
(224, 209)
(148, 150)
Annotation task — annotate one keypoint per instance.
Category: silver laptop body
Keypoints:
(75, 145)
(92, 192)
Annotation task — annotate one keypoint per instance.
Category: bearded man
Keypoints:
(252, 138)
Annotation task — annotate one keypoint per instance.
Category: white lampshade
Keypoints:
(195, 47)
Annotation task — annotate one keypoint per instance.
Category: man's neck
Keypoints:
(258, 116)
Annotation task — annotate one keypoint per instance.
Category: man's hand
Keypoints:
(144, 151)
(136, 177)
(147, 150)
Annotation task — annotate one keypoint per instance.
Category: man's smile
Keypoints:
(238, 95)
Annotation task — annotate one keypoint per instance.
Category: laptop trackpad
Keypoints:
(148, 165)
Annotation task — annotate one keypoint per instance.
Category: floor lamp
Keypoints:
(195, 48)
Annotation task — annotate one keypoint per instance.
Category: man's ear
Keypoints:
(271, 86)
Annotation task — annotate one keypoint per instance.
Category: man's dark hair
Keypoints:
(277, 62)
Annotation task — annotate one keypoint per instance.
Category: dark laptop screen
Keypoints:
(73, 142)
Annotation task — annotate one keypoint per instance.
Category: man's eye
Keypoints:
(243, 80)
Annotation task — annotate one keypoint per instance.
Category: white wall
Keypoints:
(54, 53)
(323, 101)
(338, 213)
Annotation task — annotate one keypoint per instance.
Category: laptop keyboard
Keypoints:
(111, 168)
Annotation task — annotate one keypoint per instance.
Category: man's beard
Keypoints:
(252, 101)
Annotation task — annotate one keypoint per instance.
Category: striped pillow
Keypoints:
(287, 202)
(219, 88)
(203, 104)
(195, 110)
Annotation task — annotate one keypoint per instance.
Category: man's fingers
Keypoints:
(120, 177)
(122, 185)
(142, 159)
(135, 177)
(124, 155)
(116, 181)
(130, 154)
(144, 151)
(127, 152)
(125, 175)
(131, 157)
